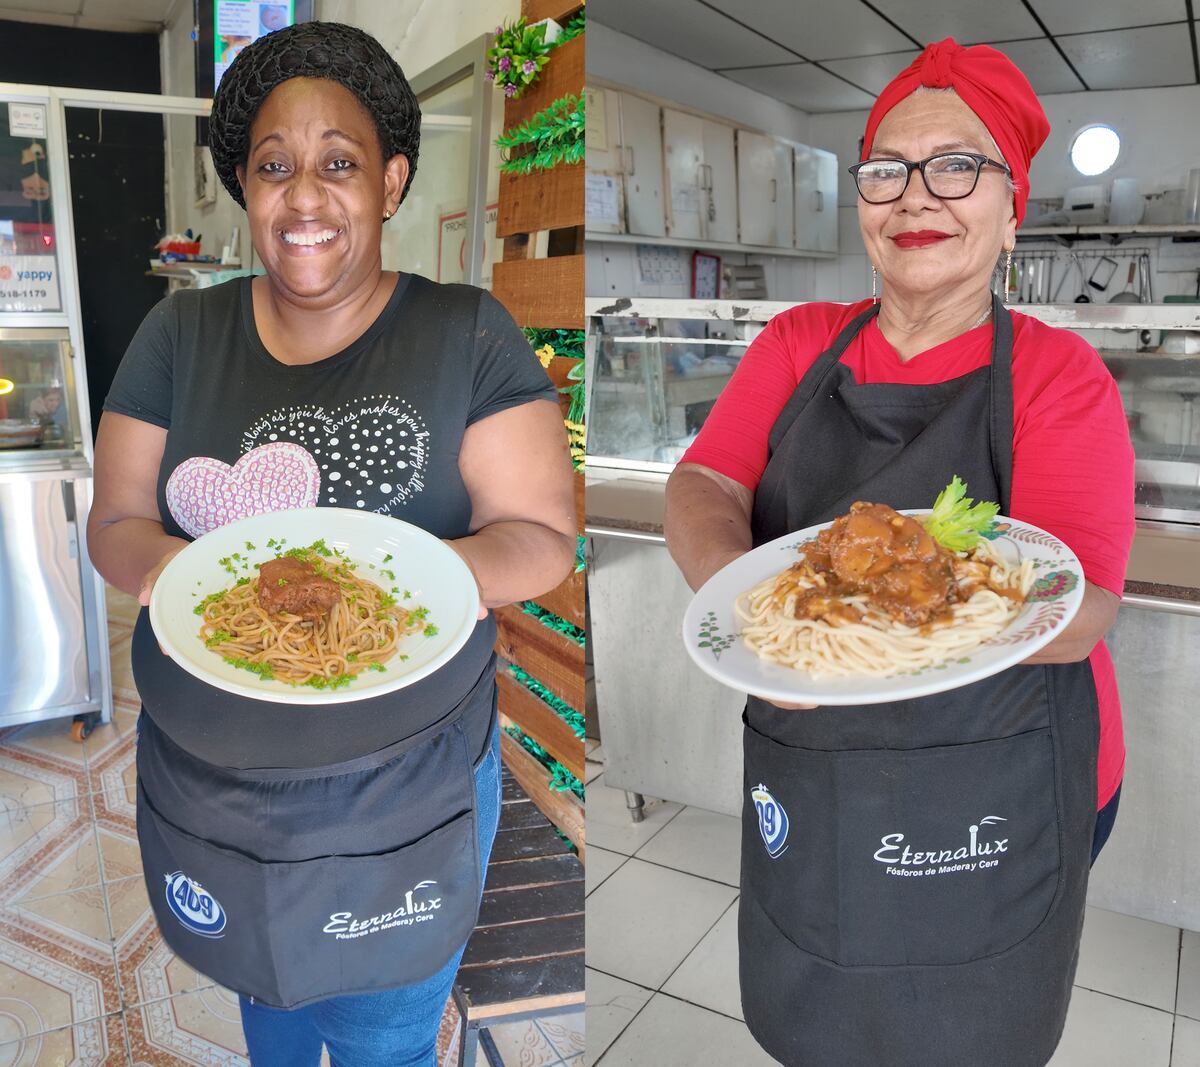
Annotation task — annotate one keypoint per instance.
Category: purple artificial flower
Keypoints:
(529, 66)
(490, 75)
(499, 29)
(505, 63)
(510, 90)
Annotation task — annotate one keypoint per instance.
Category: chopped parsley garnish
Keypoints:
(387, 600)
(263, 670)
(391, 577)
(242, 581)
(407, 595)
(420, 614)
(431, 630)
(376, 667)
(250, 547)
(388, 558)
(212, 598)
(281, 582)
(336, 682)
(351, 657)
(219, 637)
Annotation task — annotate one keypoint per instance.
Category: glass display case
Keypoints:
(39, 417)
(656, 380)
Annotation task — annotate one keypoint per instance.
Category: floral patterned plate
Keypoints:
(710, 628)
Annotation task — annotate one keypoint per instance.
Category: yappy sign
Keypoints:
(29, 283)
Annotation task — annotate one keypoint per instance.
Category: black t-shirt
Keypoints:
(377, 426)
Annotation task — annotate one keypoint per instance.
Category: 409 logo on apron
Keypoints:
(772, 820)
(195, 907)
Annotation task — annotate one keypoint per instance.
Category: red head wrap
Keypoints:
(990, 84)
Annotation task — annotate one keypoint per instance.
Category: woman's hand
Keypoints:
(1095, 617)
(787, 707)
(151, 576)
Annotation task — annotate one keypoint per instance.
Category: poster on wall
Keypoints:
(29, 283)
(452, 243)
(242, 22)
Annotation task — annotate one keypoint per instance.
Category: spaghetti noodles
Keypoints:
(853, 611)
(359, 632)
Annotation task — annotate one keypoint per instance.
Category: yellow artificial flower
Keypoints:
(545, 354)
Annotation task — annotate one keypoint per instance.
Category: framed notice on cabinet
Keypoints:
(706, 276)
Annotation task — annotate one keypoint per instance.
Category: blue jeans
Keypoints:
(1105, 818)
(395, 1028)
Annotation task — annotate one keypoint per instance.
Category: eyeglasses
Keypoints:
(949, 176)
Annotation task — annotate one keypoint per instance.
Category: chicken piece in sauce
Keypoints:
(291, 586)
(875, 551)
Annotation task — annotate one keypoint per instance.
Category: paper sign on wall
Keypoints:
(29, 283)
(596, 119)
(452, 245)
(27, 120)
(602, 205)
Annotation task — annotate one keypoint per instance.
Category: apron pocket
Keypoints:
(930, 856)
(288, 933)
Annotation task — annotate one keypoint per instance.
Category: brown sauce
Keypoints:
(886, 558)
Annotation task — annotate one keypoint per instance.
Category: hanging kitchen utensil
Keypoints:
(1102, 274)
(1127, 295)
(1083, 297)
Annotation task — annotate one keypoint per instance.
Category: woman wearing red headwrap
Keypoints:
(879, 935)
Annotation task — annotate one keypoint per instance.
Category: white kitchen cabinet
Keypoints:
(815, 184)
(765, 201)
(701, 175)
(624, 145)
(641, 147)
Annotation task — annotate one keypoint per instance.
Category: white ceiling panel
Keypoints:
(1132, 59)
(967, 21)
(804, 86)
(819, 30)
(689, 30)
(872, 72)
(1072, 16)
(1041, 63)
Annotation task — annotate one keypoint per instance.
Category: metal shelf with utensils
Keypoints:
(1115, 235)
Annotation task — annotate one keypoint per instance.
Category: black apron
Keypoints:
(290, 885)
(914, 873)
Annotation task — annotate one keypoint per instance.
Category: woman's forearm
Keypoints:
(707, 521)
(124, 552)
(516, 560)
(1095, 617)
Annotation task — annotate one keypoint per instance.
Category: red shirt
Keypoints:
(1072, 458)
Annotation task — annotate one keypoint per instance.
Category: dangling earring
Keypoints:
(874, 285)
(1007, 271)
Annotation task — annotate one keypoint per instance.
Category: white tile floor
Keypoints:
(662, 955)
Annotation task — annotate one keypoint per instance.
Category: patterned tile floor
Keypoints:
(85, 978)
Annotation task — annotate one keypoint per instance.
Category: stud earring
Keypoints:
(387, 215)
(1007, 271)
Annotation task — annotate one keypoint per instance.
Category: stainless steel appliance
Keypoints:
(51, 614)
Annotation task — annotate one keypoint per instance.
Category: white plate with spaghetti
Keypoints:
(861, 667)
(387, 605)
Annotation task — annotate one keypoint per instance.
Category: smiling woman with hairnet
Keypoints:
(320, 829)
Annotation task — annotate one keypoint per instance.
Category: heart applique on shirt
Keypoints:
(204, 493)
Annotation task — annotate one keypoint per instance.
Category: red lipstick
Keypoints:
(919, 238)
